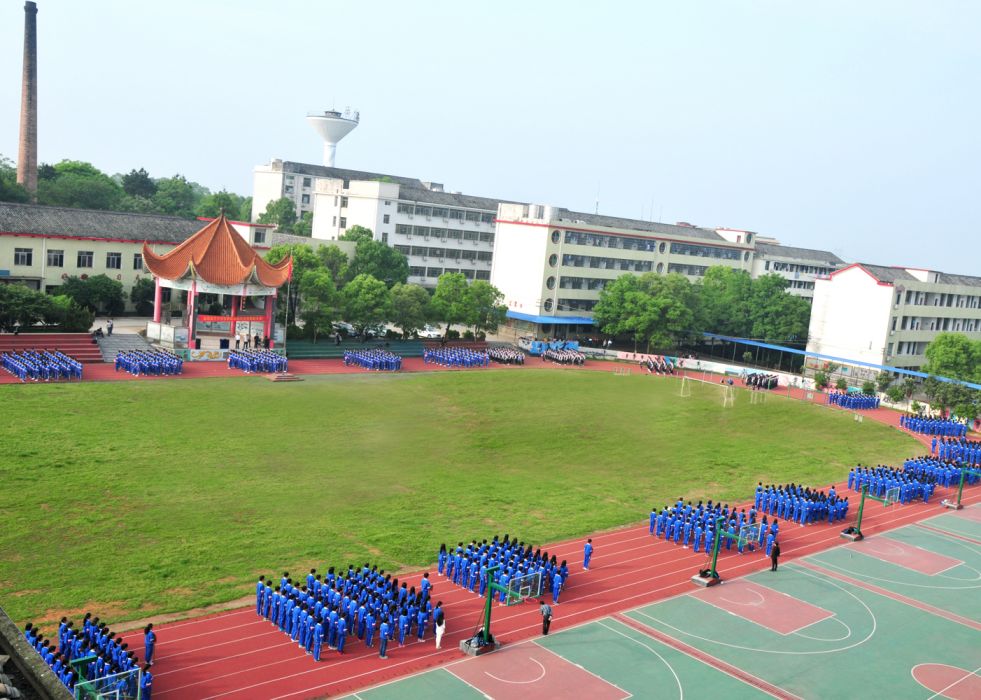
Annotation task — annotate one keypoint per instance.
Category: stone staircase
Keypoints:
(121, 342)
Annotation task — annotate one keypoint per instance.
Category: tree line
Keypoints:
(371, 289)
(663, 312)
(80, 185)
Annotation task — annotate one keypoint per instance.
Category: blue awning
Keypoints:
(559, 320)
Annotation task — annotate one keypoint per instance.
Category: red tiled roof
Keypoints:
(219, 255)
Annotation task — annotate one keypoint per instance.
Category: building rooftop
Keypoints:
(823, 256)
(218, 255)
(892, 275)
(41, 220)
(565, 215)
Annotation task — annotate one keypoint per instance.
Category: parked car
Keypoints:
(345, 328)
(430, 332)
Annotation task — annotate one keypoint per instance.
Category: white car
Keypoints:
(430, 332)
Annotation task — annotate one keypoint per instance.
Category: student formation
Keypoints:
(506, 355)
(933, 426)
(758, 380)
(41, 365)
(377, 360)
(564, 357)
(468, 566)
(456, 357)
(325, 611)
(956, 449)
(882, 479)
(256, 361)
(859, 402)
(658, 365)
(111, 668)
(149, 363)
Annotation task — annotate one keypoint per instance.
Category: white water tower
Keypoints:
(332, 127)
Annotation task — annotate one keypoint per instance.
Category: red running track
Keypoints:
(237, 655)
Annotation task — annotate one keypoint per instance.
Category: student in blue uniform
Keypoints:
(369, 633)
(556, 587)
(260, 591)
(441, 559)
(146, 683)
(653, 519)
(403, 626)
(587, 553)
(318, 640)
(149, 643)
(341, 634)
(384, 632)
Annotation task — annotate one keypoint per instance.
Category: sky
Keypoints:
(844, 126)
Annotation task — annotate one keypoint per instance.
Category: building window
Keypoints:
(405, 208)
(114, 261)
(388, 202)
(553, 260)
(548, 304)
(258, 236)
(487, 218)
(288, 189)
(424, 211)
(306, 182)
(343, 202)
(137, 261)
(343, 222)
(84, 258)
(417, 271)
(23, 256)
(550, 283)
(384, 236)
(434, 271)
(385, 219)
(305, 199)
(347, 183)
(473, 216)
(456, 214)
(56, 258)
(483, 275)
(440, 213)
(486, 237)
(660, 268)
(705, 251)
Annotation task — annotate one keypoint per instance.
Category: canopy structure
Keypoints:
(217, 260)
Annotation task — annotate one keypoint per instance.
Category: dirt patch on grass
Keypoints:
(184, 614)
(26, 591)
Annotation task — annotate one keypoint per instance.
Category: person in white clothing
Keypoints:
(440, 627)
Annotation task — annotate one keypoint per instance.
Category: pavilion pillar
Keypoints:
(192, 303)
(157, 295)
(235, 303)
(269, 316)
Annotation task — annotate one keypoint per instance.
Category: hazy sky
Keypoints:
(849, 126)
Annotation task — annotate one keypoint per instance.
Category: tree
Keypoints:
(304, 260)
(357, 233)
(485, 312)
(211, 205)
(70, 316)
(175, 196)
(380, 261)
(138, 183)
(410, 307)
(841, 384)
(449, 301)
(10, 190)
(280, 212)
(895, 394)
(95, 293)
(821, 380)
(319, 304)
(725, 297)
(367, 302)
(883, 380)
(142, 296)
(868, 387)
(747, 358)
(335, 260)
(909, 386)
(22, 306)
(955, 356)
(245, 210)
(776, 315)
(304, 227)
(81, 185)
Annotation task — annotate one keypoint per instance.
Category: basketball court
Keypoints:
(900, 610)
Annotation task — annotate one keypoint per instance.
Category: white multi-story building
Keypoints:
(551, 264)
(438, 231)
(888, 315)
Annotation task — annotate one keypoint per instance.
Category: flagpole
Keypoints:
(289, 280)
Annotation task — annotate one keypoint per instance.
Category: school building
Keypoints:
(888, 315)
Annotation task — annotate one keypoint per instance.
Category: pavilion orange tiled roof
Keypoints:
(219, 255)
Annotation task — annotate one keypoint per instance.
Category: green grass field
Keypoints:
(140, 498)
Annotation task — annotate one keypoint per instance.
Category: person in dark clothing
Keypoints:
(546, 611)
(774, 556)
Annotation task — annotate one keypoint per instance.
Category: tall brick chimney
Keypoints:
(27, 149)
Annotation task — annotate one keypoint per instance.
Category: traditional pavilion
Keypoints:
(217, 260)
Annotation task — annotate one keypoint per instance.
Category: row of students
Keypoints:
(255, 361)
(362, 603)
(506, 355)
(696, 525)
(855, 402)
(41, 365)
(956, 449)
(933, 426)
(657, 365)
(456, 357)
(564, 357)
(155, 362)
(800, 504)
(758, 380)
(939, 472)
(111, 666)
(377, 360)
(468, 566)
(881, 479)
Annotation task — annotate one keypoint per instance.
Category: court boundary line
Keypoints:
(828, 616)
(677, 680)
(707, 659)
(580, 666)
(898, 597)
(959, 680)
(948, 533)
